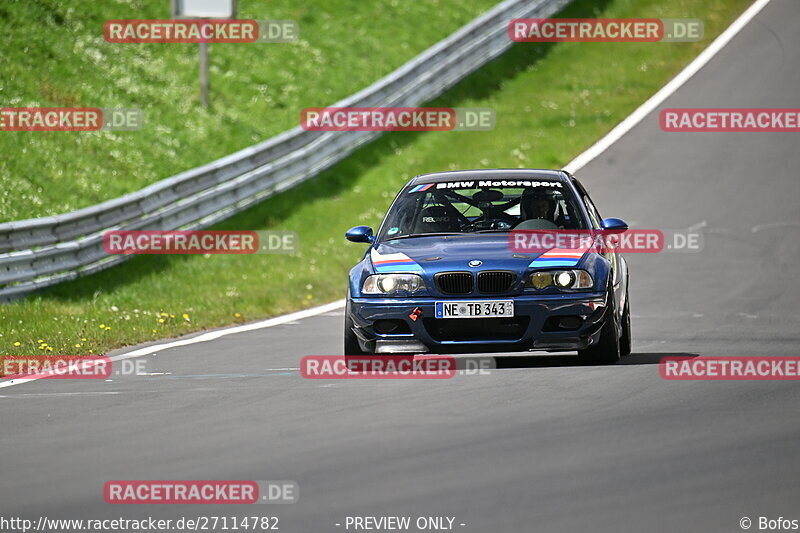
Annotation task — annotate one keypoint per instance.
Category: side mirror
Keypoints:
(360, 234)
(614, 224)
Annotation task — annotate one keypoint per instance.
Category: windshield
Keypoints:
(479, 206)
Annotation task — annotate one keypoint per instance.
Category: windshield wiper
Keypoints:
(410, 235)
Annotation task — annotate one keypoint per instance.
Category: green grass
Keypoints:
(54, 55)
(552, 101)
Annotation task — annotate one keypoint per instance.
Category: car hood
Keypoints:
(447, 253)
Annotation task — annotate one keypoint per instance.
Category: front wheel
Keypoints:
(607, 349)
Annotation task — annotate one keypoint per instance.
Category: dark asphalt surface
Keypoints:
(541, 444)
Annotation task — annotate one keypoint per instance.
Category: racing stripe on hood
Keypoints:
(558, 257)
(397, 262)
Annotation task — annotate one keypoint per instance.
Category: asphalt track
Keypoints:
(541, 444)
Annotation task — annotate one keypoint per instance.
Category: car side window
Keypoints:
(596, 221)
(593, 214)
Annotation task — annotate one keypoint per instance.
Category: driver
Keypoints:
(535, 204)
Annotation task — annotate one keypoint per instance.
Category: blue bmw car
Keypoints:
(440, 274)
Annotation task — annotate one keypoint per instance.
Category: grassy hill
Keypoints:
(54, 55)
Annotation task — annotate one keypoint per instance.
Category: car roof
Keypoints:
(493, 173)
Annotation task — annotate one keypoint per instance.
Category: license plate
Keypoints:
(482, 309)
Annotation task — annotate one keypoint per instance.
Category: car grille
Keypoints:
(476, 329)
(455, 282)
(495, 282)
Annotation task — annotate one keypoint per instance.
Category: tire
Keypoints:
(607, 349)
(625, 339)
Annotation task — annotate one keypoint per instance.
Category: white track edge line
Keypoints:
(667, 90)
(208, 336)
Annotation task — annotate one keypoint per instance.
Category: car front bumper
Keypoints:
(536, 324)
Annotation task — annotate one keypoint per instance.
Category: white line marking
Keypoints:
(700, 225)
(210, 336)
(48, 394)
(657, 99)
(773, 225)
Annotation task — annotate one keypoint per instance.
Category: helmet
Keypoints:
(536, 203)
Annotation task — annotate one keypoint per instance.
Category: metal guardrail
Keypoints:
(39, 252)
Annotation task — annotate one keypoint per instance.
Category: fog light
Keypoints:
(391, 327)
(569, 322)
(385, 326)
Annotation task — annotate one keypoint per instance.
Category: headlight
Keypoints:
(563, 279)
(392, 283)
